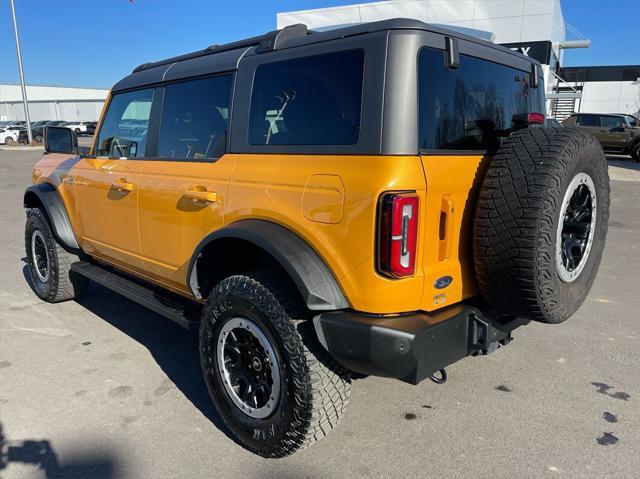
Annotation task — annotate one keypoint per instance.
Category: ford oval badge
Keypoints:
(443, 282)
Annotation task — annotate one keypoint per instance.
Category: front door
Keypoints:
(184, 190)
(613, 135)
(107, 184)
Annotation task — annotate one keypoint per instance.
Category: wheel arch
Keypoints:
(267, 241)
(45, 196)
(632, 144)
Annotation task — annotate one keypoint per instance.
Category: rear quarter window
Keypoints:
(470, 107)
(314, 100)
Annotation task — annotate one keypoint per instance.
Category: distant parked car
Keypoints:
(91, 127)
(78, 126)
(21, 131)
(16, 124)
(8, 137)
(37, 133)
(39, 123)
(613, 131)
(56, 123)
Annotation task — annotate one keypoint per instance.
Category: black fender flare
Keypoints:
(53, 206)
(313, 278)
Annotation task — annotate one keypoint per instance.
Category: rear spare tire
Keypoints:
(541, 223)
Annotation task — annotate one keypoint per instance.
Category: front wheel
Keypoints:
(9, 141)
(635, 152)
(275, 387)
(50, 264)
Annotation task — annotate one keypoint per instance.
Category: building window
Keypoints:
(124, 130)
(308, 101)
(194, 119)
(470, 107)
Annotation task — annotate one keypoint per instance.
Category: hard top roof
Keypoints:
(219, 58)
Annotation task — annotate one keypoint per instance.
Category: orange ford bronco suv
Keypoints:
(380, 198)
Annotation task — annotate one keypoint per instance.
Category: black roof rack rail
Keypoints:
(267, 42)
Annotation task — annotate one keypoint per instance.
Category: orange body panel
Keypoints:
(106, 212)
(172, 222)
(446, 225)
(331, 202)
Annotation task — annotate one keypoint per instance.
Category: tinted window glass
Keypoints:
(124, 130)
(194, 119)
(308, 101)
(611, 121)
(470, 107)
(588, 120)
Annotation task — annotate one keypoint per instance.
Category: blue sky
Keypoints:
(94, 43)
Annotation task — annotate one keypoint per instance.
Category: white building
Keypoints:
(533, 27)
(52, 103)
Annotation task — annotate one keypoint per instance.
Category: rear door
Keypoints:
(592, 124)
(106, 185)
(185, 183)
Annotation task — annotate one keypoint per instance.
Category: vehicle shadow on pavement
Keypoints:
(623, 162)
(41, 455)
(173, 348)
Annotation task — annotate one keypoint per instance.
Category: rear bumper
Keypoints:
(411, 347)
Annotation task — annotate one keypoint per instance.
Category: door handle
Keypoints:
(122, 185)
(445, 230)
(200, 193)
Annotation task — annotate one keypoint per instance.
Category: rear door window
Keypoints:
(314, 100)
(588, 120)
(125, 127)
(194, 119)
(470, 107)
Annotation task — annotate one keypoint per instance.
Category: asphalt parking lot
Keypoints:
(103, 388)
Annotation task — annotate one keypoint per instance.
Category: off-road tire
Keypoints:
(314, 388)
(62, 284)
(517, 219)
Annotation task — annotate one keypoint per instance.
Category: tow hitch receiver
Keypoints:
(415, 346)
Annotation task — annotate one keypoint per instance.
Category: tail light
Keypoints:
(532, 118)
(535, 118)
(397, 234)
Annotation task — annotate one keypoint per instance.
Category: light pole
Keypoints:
(24, 88)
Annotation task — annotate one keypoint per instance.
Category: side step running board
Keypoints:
(137, 292)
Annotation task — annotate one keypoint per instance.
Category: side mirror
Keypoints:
(58, 139)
